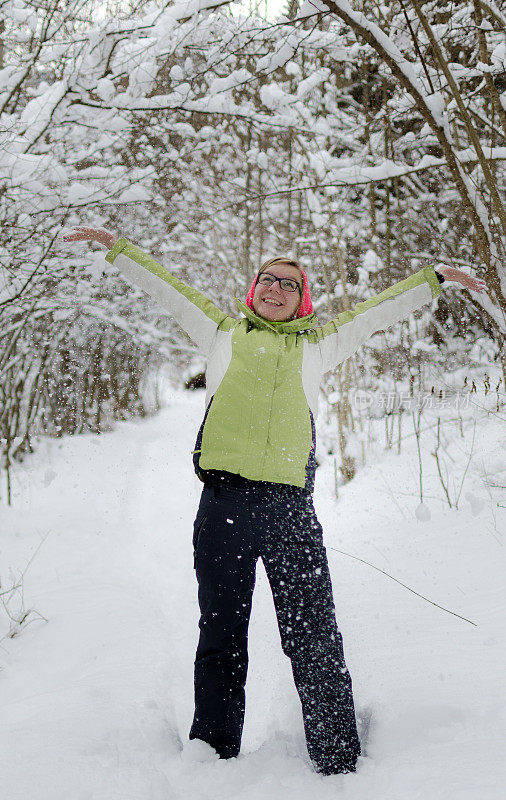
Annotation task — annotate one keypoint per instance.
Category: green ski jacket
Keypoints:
(262, 377)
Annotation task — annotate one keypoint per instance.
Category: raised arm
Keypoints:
(196, 314)
(342, 336)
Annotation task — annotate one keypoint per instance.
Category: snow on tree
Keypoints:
(366, 140)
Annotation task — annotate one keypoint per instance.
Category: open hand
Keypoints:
(83, 234)
(452, 274)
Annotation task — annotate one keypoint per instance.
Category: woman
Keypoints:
(255, 455)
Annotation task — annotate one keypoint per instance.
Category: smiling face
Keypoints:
(274, 303)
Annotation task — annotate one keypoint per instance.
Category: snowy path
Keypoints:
(96, 704)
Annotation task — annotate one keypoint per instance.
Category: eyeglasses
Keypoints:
(287, 284)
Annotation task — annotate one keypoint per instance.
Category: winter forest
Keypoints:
(365, 139)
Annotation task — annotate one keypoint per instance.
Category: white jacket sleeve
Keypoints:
(196, 314)
(341, 337)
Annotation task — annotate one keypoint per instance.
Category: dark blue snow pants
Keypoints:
(234, 526)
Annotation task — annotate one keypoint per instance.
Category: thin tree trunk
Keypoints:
(441, 60)
(247, 261)
(485, 59)
(365, 30)
(260, 216)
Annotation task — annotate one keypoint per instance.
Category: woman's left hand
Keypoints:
(452, 274)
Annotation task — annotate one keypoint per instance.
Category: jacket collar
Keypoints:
(292, 326)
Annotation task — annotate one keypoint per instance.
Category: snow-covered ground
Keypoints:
(96, 703)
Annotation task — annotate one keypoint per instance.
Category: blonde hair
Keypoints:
(280, 260)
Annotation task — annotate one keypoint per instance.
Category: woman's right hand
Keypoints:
(83, 234)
